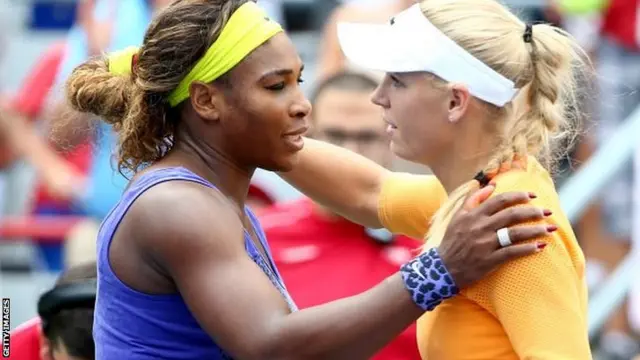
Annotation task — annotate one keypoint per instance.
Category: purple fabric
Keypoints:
(132, 325)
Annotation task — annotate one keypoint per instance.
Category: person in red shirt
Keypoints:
(309, 242)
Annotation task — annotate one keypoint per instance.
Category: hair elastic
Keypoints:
(482, 178)
(528, 33)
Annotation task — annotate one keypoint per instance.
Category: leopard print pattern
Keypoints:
(427, 280)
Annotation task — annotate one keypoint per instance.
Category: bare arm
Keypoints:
(61, 179)
(339, 179)
(250, 319)
(198, 239)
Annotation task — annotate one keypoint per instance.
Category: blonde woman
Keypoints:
(184, 267)
(472, 92)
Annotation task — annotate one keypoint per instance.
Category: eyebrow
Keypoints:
(281, 72)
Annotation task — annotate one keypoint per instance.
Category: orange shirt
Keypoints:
(531, 308)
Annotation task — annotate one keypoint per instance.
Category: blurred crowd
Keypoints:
(77, 184)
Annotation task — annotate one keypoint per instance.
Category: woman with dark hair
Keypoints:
(184, 269)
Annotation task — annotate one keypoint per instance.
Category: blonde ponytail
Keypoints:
(543, 65)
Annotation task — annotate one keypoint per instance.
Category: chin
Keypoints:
(401, 151)
(282, 164)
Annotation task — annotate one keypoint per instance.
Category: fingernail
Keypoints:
(541, 245)
(547, 212)
(532, 195)
(552, 228)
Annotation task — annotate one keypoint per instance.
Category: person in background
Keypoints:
(474, 106)
(182, 260)
(63, 331)
(309, 241)
(259, 199)
(618, 62)
(331, 59)
(30, 98)
(75, 168)
(609, 29)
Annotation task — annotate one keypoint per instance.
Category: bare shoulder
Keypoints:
(180, 217)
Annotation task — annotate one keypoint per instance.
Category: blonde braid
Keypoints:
(544, 111)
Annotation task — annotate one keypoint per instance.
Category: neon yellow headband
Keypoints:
(247, 29)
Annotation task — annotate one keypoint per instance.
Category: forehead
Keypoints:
(275, 54)
(348, 109)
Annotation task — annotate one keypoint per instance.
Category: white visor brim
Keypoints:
(412, 44)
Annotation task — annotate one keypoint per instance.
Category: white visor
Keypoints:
(411, 43)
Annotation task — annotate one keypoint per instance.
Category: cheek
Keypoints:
(425, 131)
(264, 118)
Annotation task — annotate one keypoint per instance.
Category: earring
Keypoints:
(451, 119)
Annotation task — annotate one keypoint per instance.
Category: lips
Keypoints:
(390, 123)
(298, 132)
(294, 139)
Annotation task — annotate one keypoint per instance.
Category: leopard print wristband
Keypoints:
(428, 280)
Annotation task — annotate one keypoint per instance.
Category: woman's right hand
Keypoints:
(470, 247)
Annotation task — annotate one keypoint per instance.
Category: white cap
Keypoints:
(411, 43)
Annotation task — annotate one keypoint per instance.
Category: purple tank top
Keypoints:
(132, 325)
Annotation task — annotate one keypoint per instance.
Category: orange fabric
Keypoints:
(407, 203)
(531, 308)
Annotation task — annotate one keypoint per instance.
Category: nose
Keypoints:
(379, 96)
(301, 107)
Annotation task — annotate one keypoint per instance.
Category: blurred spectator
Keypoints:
(30, 99)
(331, 60)
(634, 299)
(617, 58)
(76, 172)
(64, 329)
(81, 180)
(259, 198)
(309, 242)
(619, 74)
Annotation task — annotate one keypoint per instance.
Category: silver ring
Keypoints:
(503, 237)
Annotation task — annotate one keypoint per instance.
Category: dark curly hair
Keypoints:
(136, 105)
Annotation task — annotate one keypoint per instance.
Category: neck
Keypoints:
(213, 165)
(455, 172)
(462, 163)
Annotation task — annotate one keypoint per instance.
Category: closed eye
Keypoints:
(395, 81)
(276, 87)
(281, 85)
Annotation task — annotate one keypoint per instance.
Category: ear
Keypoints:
(458, 102)
(45, 348)
(206, 100)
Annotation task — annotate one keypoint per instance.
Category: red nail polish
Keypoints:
(541, 245)
(547, 212)
(532, 195)
(552, 228)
